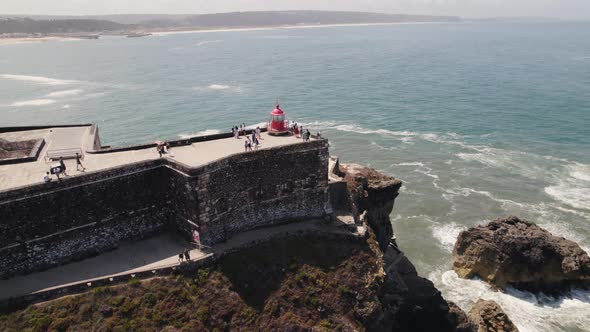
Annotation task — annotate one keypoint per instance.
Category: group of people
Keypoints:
(162, 148)
(61, 168)
(253, 139)
(300, 133)
(184, 255)
(238, 131)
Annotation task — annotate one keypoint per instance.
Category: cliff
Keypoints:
(300, 283)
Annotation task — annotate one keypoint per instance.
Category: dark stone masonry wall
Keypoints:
(47, 225)
(269, 187)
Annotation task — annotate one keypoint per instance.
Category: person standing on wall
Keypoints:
(79, 163)
(62, 165)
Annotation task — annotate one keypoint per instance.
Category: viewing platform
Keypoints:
(84, 139)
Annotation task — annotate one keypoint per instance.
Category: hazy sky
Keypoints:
(465, 8)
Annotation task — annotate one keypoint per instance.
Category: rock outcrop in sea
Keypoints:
(518, 253)
(487, 316)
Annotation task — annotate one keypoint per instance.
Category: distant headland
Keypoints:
(86, 26)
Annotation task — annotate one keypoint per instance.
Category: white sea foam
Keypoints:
(201, 133)
(580, 171)
(205, 42)
(426, 171)
(570, 194)
(66, 106)
(37, 79)
(217, 87)
(64, 93)
(415, 163)
(446, 234)
(529, 312)
(34, 102)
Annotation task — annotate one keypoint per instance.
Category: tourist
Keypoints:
(307, 135)
(249, 144)
(258, 131)
(236, 132)
(159, 149)
(79, 163)
(302, 132)
(46, 178)
(319, 135)
(296, 131)
(62, 166)
(256, 143)
(180, 257)
(187, 255)
(254, 137)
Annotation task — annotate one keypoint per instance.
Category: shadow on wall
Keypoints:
(126, 257)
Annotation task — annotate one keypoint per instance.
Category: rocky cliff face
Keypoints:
(408, 301)
(515, 252)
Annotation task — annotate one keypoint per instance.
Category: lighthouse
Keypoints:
(278, 122)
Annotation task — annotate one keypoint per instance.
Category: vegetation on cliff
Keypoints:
(297, 284)
(29, 26)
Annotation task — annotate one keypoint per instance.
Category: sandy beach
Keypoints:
(11, 41)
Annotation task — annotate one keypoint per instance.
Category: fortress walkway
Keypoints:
(156, 253)
(196, 154)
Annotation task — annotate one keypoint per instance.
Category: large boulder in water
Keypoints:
(488, 316)
(515, 252)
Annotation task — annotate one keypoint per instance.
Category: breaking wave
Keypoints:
(218, 87)
(201, 133)
(37, 79)
(530, 312)
(34, 102)
(64, 93)
(205, 42)
(446, 234)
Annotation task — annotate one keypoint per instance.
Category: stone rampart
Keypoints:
(45, 225)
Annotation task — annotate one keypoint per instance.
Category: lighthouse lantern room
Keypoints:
(278, 122)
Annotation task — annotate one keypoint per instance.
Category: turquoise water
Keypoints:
(479, 120)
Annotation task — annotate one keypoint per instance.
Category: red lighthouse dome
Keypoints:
(278, 122)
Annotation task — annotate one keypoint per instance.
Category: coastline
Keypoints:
(27, 40)
(286, 27)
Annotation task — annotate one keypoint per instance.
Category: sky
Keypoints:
(570, 9)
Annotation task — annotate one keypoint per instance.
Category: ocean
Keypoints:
(480, 120)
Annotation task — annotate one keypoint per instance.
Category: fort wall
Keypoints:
(45, 225)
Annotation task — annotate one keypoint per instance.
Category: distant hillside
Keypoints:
(68, 24)
(250, 19)
(30, 26)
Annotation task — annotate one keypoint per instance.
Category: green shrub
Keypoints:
(117, 300)
(150, 299)
(203, 313)
(61, 324)
(134, 282)
(102, 291)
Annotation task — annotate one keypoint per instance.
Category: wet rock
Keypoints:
(460, 319)
(515, 252)
(488, 316)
